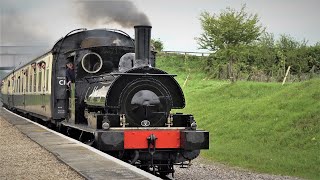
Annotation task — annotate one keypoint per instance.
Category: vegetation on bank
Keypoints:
(265, 127)
(242, 49)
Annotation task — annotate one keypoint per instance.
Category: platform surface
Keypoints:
(87, 161)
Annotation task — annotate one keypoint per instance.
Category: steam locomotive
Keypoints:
(120, 103)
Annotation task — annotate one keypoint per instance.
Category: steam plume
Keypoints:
(124, 13)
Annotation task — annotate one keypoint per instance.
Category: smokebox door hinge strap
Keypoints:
(152, 142)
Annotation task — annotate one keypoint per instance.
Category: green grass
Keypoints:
(265, 127)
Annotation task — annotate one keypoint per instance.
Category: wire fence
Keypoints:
(192, 53)
(222, 71)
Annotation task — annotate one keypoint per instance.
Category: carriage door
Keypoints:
(72, 103)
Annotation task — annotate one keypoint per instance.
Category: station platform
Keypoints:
(87, 161)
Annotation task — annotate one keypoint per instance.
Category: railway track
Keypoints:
(86, 160)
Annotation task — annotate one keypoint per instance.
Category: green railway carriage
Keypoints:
(28, 88)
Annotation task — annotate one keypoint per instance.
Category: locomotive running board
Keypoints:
(142, 74)
(82, 127)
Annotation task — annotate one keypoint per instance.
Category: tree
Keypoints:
(157, 44)
(230, 28)
(294, 54)
(229, 31)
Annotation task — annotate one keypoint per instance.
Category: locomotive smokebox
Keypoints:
(142, 45)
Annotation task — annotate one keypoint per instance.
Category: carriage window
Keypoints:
(18, 85)
(22, 85)
(27, 83)
(34, 81)
(47, 81)
(20, 82)
(30, 85)
(27, 79)
(39, 84)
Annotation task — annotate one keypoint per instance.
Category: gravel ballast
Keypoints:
(21, 158)
(200, 170)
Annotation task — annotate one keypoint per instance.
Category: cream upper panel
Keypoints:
(43, 72)
(22, 80)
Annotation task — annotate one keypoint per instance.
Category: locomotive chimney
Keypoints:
(142, 45)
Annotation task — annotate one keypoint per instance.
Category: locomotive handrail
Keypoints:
(102, 77)
(143, 74)
(99, 78)
(118, 30)
(78, 49)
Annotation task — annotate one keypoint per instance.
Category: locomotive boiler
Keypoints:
(120, 102)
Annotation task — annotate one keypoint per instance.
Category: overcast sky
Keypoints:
(176, 23)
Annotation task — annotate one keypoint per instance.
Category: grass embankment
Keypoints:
(264, 127)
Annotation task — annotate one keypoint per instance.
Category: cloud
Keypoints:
(18, 27)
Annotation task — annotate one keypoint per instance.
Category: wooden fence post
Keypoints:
(285, 77)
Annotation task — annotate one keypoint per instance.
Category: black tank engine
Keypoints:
(120, 103)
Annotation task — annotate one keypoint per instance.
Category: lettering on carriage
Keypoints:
(62, 82)
(61, 111)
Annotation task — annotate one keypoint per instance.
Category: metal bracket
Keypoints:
(152, 142)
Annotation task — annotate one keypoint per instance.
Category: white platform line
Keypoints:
(129, 166)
